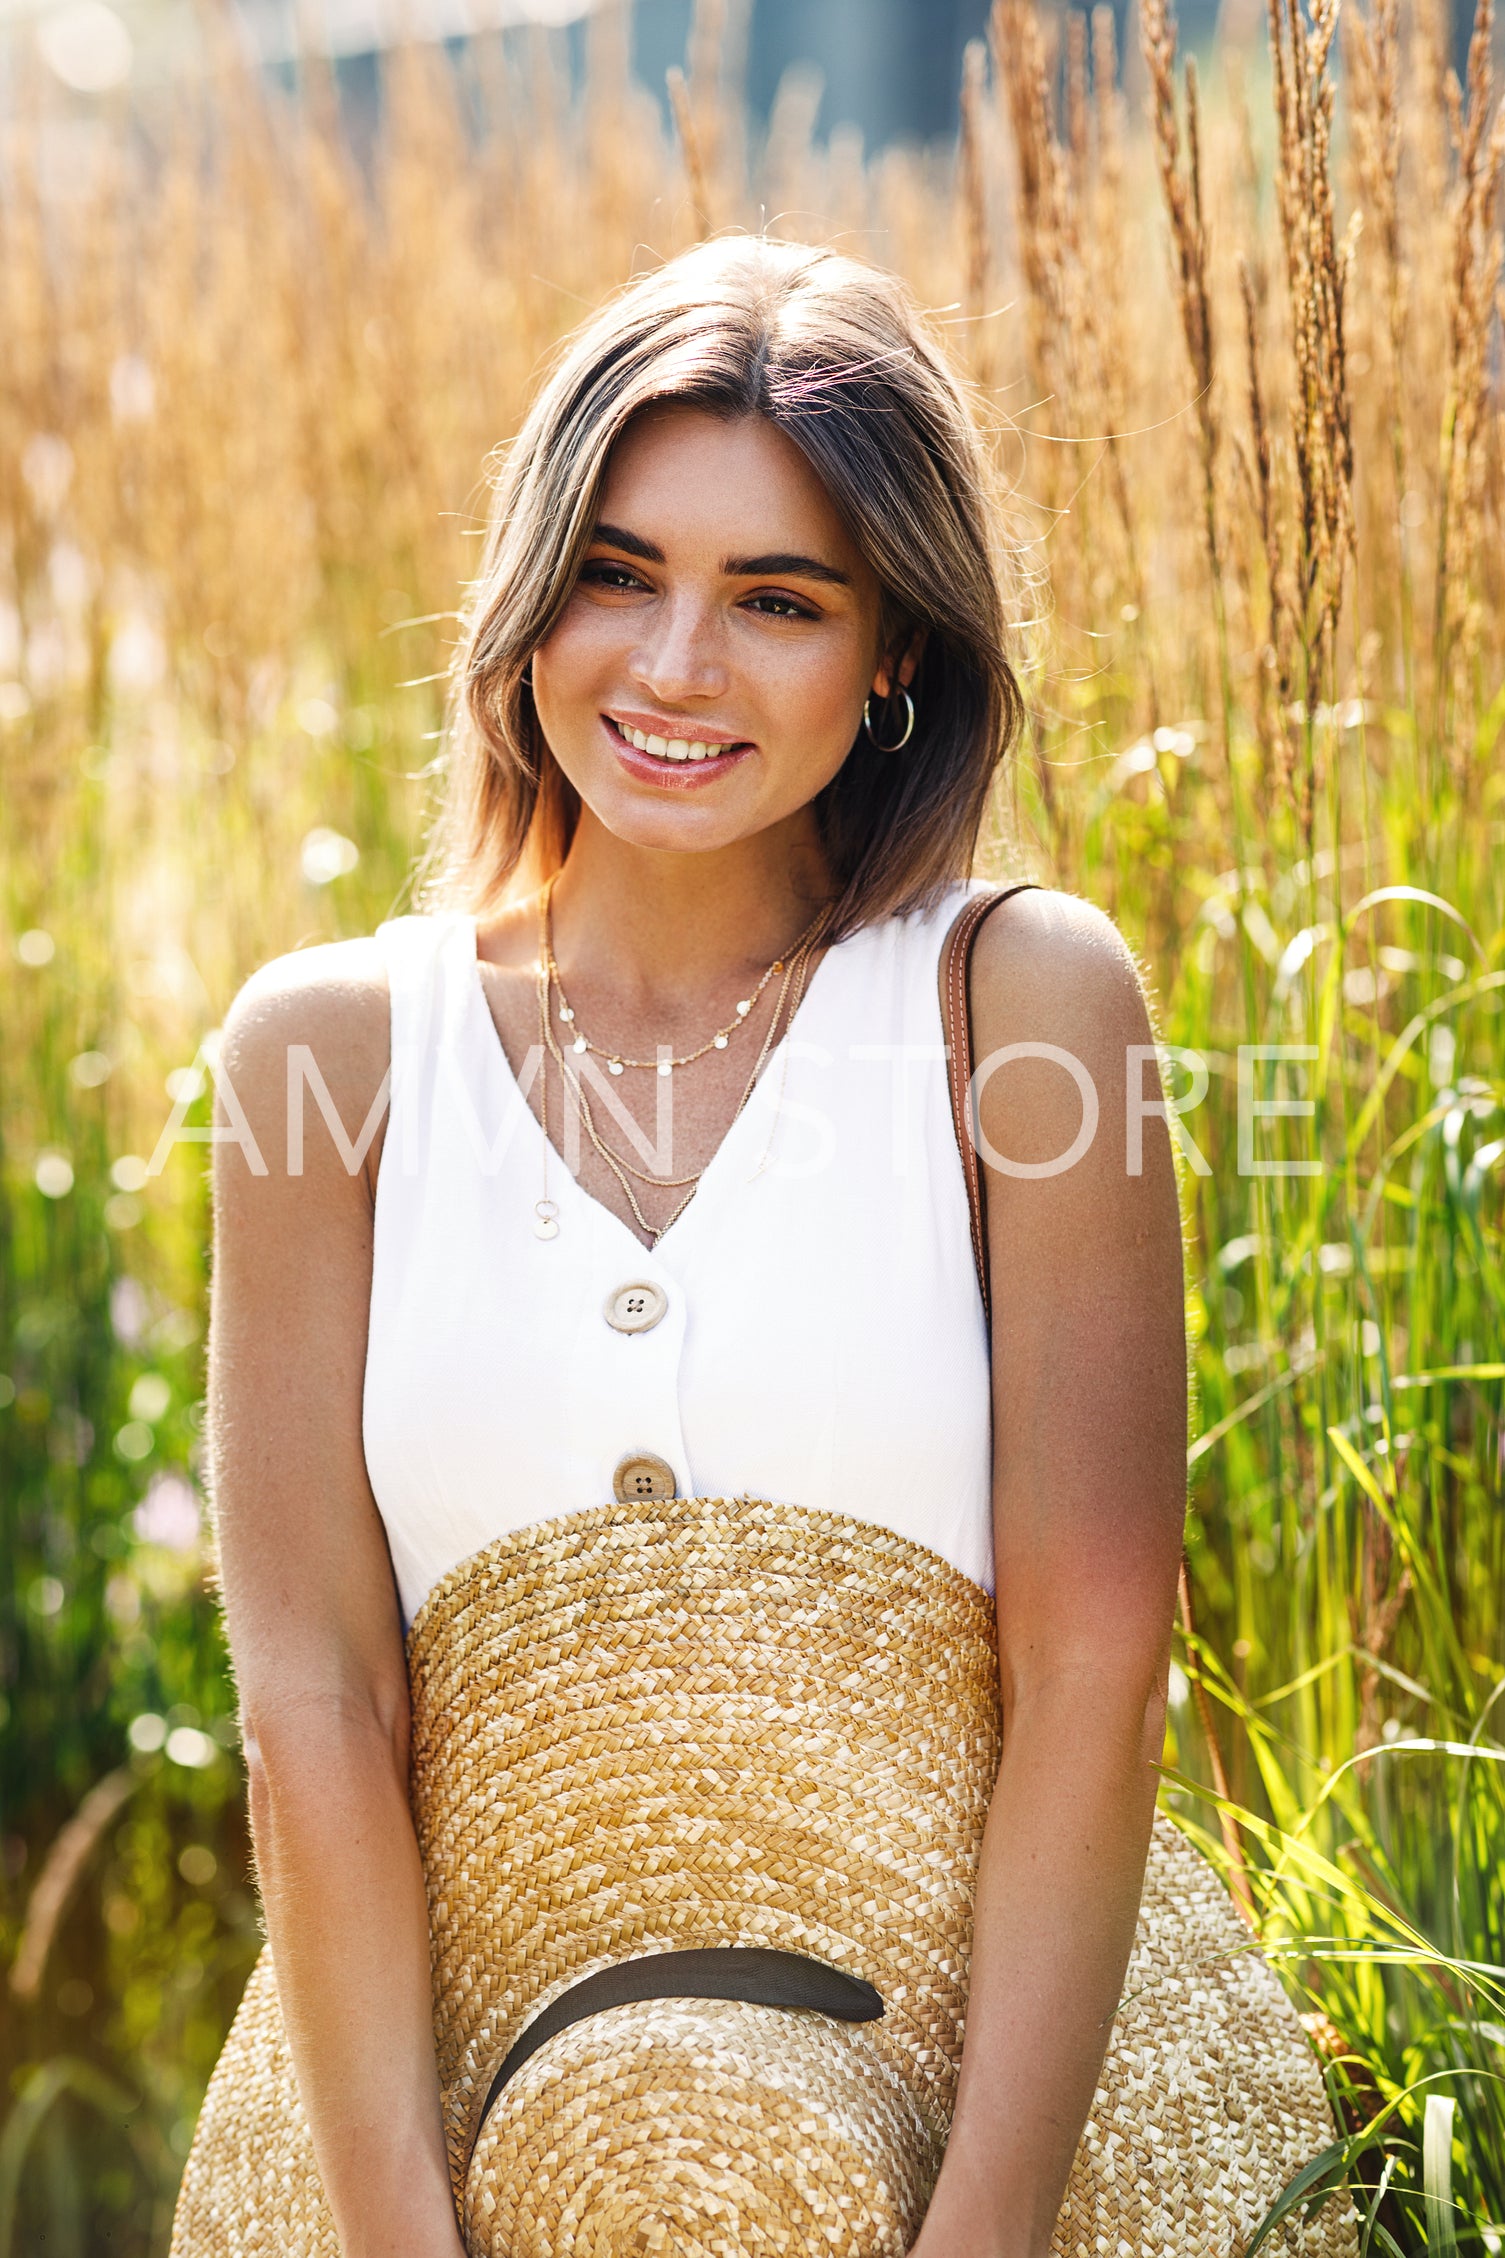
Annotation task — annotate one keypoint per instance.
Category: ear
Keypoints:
(888, 676)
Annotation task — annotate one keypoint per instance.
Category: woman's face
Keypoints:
(708, 673)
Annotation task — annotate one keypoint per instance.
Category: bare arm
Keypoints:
(312, 1615)
(1089, 1379)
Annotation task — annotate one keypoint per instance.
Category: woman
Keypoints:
(734, 692)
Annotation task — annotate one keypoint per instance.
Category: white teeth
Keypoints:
(671, 748)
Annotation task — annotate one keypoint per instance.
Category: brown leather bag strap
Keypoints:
(957, 1013)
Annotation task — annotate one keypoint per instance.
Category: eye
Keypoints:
(771, 605)
(606, 572)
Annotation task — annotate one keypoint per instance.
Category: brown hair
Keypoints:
(834, 353)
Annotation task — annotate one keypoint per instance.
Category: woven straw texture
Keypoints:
(706, 1721)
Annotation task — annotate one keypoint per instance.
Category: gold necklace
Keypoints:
(797, 963)
(547, 1225)
(546, 1212)
(615, 1062)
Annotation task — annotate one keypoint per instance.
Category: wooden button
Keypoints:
(636, 1307)
(642, 1474)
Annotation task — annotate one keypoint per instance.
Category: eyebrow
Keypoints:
(777, 564)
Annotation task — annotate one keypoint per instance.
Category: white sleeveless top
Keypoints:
(823, 1344)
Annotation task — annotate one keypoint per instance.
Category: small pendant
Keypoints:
(565, 1012)
(545, 1219)
(744, 1008)
(666, 1066)
(614, 1066)
(578, 1044)
(721, 1042)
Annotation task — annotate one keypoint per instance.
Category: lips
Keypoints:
(694, 762)
(673, 741)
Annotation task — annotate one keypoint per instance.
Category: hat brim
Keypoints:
(692, 1723)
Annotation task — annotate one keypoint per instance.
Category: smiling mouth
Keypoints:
(675, 748)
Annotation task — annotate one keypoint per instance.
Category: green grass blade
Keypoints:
(1315, 2183)
(1437, 2174)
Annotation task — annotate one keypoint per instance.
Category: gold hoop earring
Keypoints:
(867, 723)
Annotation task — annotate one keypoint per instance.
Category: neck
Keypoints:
(661, 930)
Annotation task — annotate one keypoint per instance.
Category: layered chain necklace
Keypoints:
(794, 965)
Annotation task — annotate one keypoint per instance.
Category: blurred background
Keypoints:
(889, 67)
(275, 281)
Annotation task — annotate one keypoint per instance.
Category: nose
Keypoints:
(679, 656)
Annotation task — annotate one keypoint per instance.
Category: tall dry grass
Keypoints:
(1236, 339)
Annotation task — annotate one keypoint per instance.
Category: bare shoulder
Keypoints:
(315, 1018)
(1053, 972)
(1046, 954)
(305, 1569)
(1088, 1311)
(336, 991)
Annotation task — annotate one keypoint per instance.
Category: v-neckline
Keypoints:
(578, 1192)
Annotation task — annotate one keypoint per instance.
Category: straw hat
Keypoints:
(707, 1725)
